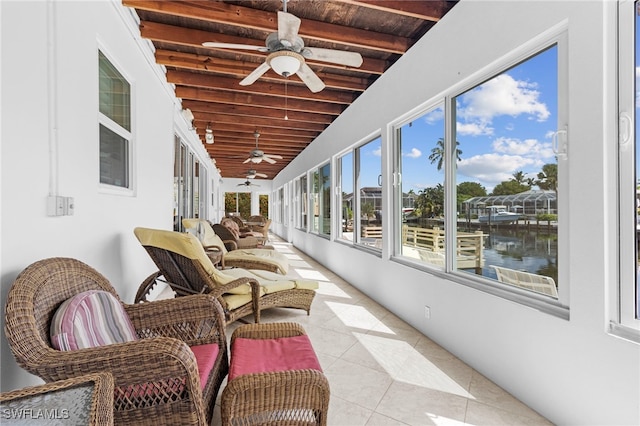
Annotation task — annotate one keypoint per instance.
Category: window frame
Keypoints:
(111, 125)
(624, 320)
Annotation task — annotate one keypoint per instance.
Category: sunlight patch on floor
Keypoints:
(357, 317)
(405, 364)
(444, 421)
(330, 289)
(310, 274)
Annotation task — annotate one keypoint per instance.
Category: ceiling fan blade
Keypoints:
(233, 46)
(288, 26)
(247, 160)
(255, 74)
(279, 157)
(310, 78)
(262, 175)
(342, 57)
(269, 160)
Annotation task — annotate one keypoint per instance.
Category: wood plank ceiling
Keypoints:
(207, 79)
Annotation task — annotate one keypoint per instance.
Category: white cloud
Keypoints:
(377, 152)
(474, 129)
(503, 95)
(435, 116)
(528, 147)
(415, 153)
(491, 169)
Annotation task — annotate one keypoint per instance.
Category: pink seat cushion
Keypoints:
(205, 358)
(250, 356)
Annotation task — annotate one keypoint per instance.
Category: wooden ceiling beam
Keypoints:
(158, 32)
(273, 132)
(185, 78)
(247, 111)
(248, 99)
(426, 10)
(244, 17)
(241, 69)
(229, 121)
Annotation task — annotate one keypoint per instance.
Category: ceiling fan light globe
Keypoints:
(256, 160)
(285, 62)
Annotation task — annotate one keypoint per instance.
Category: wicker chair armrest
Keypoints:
(232, 244)
(212, 248)
(268, 330)
(170, 358)
(255, 292)
(196, 319)
(146, 286)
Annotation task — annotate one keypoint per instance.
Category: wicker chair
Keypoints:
(184, 265)
(232, 242)
(254, 258)
(81, 400)
(156, 377)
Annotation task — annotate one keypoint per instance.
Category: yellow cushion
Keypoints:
(307, 285)
(236, 300)
(276, 286)
(270, 257)
(185, 245)
(210, 237)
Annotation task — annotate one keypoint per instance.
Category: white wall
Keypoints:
(100, 232)
(570, 371)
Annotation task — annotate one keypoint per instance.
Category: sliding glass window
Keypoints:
(507, 148)
(420, 150)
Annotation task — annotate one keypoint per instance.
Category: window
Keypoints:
(114, 126)
(345, 196)
(368, 187)
(321, 200)
(420, 161)
(628, 317)
(237, 204)
(303, 202)
(188, 184)
(504, 143)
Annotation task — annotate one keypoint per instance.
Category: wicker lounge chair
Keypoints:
(234, 242)
(254, 258)
(184, 265)
(156, 377)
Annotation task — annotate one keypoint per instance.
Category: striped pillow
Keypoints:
(89, 319)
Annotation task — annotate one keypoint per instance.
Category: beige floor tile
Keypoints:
(481, 414)
(345, 413)
(417, 405)
(356, 383)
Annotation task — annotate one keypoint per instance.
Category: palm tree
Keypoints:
(437, 153)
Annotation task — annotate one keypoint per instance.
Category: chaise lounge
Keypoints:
(185, 267)
(250, 258)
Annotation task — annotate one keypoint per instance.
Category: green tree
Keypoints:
(430, 201)
(367, 211)
(509, 187)
(437, 153)
(548, 177)
(471, 189)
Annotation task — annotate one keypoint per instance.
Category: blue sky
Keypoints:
(504, 126)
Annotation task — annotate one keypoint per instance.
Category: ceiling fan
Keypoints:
(287, 54)
(248, 183)
(256, 156)
(252, 174)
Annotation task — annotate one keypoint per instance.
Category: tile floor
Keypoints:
(381, 370)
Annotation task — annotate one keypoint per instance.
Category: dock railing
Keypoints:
(469, 249)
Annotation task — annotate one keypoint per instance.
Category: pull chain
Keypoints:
(286, 117)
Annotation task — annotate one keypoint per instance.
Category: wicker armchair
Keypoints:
(156, 377)
(81, 400)
(232, 242)
(184, 265)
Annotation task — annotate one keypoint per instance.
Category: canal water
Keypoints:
(534, 251)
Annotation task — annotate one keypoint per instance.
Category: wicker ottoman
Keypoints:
(274, 378)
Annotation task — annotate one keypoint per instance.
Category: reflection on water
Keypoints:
(521, 249)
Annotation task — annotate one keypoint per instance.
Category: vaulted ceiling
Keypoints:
(207, 78)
